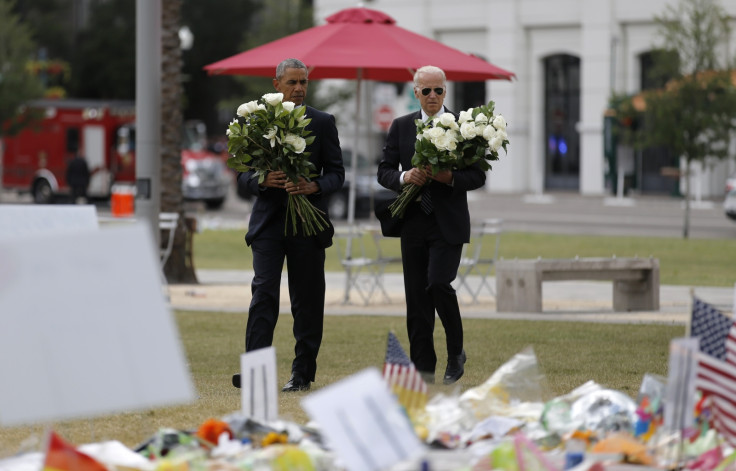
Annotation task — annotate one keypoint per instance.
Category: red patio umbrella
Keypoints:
(360, 43)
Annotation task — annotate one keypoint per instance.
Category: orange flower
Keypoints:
(211, 430)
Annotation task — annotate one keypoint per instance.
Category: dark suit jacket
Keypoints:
(326, 156)
(450, 202)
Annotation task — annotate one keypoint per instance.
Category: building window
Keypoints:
(561, 115)
(656, 67)
(469, 95)
(72, 141)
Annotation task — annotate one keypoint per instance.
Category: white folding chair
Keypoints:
(486, 262)
(362, 273)
(477, 260)
(382, 260)
(468, 259)
(167, 223)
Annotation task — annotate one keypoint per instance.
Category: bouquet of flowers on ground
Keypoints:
(444, 143)
(268, 135)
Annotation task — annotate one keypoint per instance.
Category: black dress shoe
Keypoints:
(297, 382)
(455, 368)
(236, 380)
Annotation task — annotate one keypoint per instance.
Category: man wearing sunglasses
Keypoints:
(432, 234)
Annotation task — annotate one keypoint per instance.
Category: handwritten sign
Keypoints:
(363, 422)
(258, 384)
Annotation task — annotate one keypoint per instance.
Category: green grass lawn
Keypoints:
(693, 262)
(569, 353)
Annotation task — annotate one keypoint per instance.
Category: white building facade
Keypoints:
(568, 57)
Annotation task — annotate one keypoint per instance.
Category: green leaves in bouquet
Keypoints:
(263, 140)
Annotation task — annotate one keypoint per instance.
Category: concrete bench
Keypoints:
(635, 281)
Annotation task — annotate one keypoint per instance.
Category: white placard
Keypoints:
(363, 423)
(258, 393)
(19, 220)
(84, 327)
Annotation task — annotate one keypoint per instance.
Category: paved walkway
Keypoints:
(590, 301)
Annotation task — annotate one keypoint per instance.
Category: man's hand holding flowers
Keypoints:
(444, 144)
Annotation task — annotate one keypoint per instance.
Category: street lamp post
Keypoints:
(148, 113)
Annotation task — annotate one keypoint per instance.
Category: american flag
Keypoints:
(712, 326)
(402, 376)
(717, 378)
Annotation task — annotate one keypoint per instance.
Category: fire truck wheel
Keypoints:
(42, 192)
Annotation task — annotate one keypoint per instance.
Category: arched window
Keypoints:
(561, 115)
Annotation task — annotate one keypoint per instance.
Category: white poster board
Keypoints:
(19, 220)
(84, 327)
(363, 422)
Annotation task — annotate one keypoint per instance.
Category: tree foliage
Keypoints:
(268, 21)
(103, 63)
(216, 35)
(17, 85)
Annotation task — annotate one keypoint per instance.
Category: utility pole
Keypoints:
(148, 113)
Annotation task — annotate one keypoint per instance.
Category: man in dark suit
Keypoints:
(305, 256)
(433, 232)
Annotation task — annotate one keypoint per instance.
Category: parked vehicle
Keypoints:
(205, 174)
(367, 191)
(103, 132)
(731, 183)
(729, 204)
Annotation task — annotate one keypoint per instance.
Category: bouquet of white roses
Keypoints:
(446, 144)
(267, 135)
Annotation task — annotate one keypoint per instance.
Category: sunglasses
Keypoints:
(438, 91)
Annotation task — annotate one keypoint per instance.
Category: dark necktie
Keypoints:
(426, 202)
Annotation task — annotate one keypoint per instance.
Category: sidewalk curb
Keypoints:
(228, 291)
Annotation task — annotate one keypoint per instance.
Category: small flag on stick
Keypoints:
(62, 456)
(402, 376)
(717, 380)
(712, 326)
(715, 377)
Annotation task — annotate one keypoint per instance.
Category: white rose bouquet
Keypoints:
(446, 144)
(267, 135)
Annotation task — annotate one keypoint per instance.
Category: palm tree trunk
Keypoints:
(686, 222)
(179, 267)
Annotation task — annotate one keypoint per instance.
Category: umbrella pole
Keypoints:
(354, 159)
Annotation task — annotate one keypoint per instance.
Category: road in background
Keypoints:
(559, 213)
(564, 213)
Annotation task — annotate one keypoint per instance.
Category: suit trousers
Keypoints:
(305, 264)
(430, 265)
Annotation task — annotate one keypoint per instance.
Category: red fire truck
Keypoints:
(103, 132)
